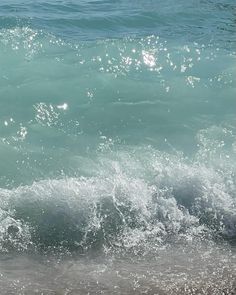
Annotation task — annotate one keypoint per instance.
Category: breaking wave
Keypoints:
(138, 199)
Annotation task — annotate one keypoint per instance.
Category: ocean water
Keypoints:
(117, 147)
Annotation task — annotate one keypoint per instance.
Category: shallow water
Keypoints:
(171, 271)
(117, 147)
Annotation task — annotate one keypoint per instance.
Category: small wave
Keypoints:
(138, 200)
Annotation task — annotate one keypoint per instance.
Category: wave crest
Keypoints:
(138, 200)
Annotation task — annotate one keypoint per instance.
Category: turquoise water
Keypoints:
(117, 146)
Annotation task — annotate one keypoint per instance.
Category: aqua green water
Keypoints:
(117, 137)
